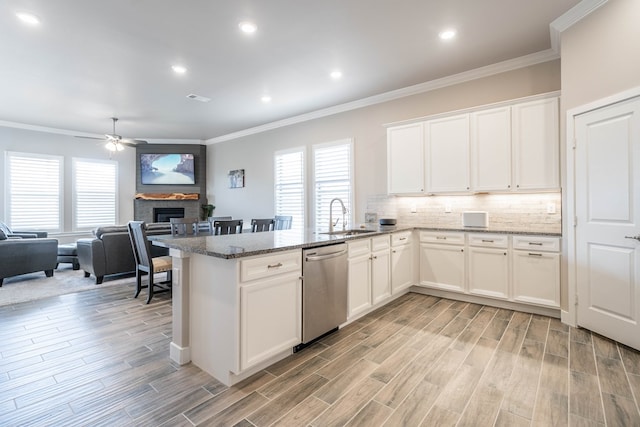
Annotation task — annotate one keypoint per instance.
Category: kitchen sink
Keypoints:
(353, 232)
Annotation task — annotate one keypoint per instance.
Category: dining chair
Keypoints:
(145, 264)
(184, 226)
(283, 222)
(232, 226)
(258, 225)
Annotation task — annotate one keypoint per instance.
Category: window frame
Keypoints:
(74, 192)
(350, 202)
(303, 153)
(8, 191)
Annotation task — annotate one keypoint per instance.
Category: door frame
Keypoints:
(570, 316)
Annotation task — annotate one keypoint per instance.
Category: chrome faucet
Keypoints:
(344, 212)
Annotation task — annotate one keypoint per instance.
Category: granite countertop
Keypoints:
(249, 244)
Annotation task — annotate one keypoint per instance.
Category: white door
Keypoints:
(607, 191)
(405, 159)
(491, 149)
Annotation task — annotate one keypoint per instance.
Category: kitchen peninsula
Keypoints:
(237, 298)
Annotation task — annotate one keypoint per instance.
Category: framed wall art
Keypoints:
(236, 178)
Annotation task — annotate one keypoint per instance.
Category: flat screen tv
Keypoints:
(167, 169)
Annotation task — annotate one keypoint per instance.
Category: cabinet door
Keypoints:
(536, 146)
(270, 318)
(491, 149)
(401, 268)
(448, 154)
(442, 266)
(405, 159)
(380, 275)
(359, 284)
(536, 278)
(489, 272)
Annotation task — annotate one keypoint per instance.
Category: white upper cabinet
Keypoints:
(447, 145)
(491, 149)
(511, 147)
(536, 147)
(405, 159)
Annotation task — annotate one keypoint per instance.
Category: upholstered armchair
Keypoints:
(20, 255)
(4, 228)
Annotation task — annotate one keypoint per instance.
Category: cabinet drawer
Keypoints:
(359, 247)
(379, 243)
(489, 240)
(270, 265)
(402, 238)
(533, 243)
(450, 238)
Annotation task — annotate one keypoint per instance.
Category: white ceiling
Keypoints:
(90, 60)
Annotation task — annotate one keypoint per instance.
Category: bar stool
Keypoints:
(258, 225)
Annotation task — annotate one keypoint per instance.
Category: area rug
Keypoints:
(33, 286)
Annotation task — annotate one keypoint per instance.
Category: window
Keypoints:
(289, 185)
(332, 177)
(33, 192)
(95, 195)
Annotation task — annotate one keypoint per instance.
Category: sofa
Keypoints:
(109, 251)
(27, 255)
(9, 233)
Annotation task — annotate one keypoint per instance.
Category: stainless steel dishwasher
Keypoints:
(324, 290)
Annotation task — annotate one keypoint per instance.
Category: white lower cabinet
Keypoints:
(536, 278)
(270, 312)
(525, 271)
(369, 273)
(380, 269)
(359, 276)
(489, 265)
(401, 261)
(442, 264)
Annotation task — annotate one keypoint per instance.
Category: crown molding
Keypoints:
(489, 70)
(46, 129)
(571, 17)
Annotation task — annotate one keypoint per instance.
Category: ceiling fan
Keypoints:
(115, 142)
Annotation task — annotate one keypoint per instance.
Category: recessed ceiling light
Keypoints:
(248, 27)
(447, 34)
(336, 74)
(179, 69)
(265, 99)
(28, 18)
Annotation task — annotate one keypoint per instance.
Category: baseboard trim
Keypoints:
(180, 355)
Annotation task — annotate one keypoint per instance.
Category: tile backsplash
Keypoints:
(537, 212)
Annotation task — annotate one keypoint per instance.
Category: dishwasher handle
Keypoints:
(326, 256)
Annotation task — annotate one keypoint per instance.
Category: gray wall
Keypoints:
(255, 153)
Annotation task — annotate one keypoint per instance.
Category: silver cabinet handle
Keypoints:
(278, 265)
(402, 238)
(535, 243)
(441, 238)
(633, 237)
(530, 254)
(487, 241)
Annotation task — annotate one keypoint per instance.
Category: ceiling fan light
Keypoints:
(111, 146)
(119, 147)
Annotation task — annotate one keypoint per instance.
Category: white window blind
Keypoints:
(95, 195)
(332, 176)
(33, 192)
(289, 186)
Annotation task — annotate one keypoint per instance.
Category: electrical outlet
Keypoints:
(447, 208)
(414, 209)
(551, 208)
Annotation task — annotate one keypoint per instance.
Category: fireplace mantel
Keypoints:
(167, 196)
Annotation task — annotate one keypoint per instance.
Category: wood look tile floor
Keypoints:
(101, 358)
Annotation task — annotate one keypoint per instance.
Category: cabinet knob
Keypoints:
(633, 237)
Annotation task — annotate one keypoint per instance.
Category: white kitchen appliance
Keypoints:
(475, 219)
